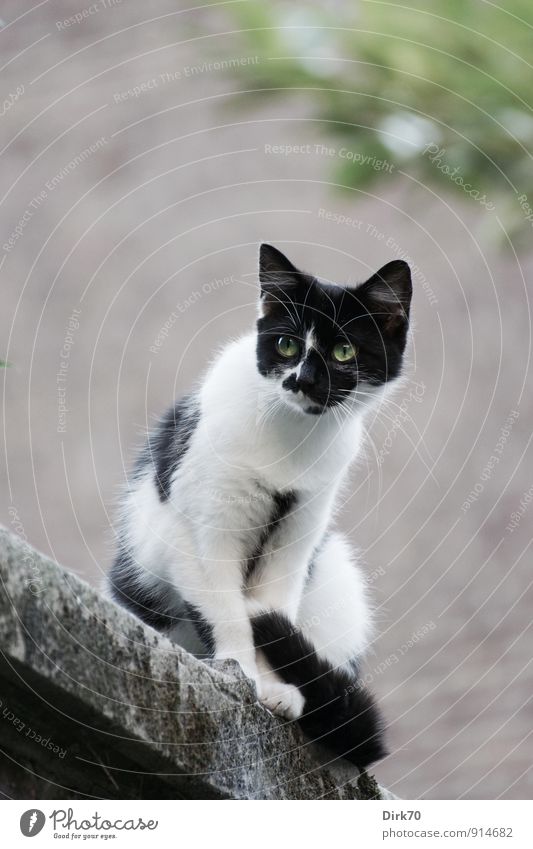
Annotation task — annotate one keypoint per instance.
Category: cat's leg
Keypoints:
(279, 575)
(211, 586)
(321, 655)
(217, 597)
(279, 697)
(276, 584)
(334, 612)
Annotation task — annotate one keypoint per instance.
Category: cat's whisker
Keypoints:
(380, 412)
(274, 405)
(384, 402)
(380, 471)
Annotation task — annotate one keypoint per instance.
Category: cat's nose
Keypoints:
(307, 377)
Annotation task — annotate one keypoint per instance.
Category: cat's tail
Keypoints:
(339, 712)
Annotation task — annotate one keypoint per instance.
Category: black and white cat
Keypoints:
(225, 537)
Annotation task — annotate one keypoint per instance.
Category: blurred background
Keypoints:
(146, 150)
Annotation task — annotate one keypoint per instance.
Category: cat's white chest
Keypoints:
(290, 457)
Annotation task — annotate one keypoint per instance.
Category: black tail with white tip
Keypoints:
(339, 712)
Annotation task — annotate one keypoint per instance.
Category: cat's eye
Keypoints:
(343, 352)
(288, 347)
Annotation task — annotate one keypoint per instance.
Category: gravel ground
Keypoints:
(135, 218)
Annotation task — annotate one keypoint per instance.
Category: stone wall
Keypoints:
(95, 704)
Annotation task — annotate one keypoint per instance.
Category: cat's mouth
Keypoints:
(304, 404)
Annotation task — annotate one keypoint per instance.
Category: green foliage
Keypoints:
(388, 80)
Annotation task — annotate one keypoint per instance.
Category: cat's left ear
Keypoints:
(390, 290)
(275, 269)
(278, 277)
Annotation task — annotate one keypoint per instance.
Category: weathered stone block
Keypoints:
(95, 704)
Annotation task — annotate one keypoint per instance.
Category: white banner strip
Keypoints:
(319, 824)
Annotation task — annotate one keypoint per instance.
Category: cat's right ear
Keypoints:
(278, 277)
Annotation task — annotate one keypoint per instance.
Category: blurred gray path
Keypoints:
(134, 211)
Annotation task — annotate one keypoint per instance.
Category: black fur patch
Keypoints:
(373, 317)
(158, 607)
(168, 444)
(203, 628)
(339, 712)
(283, 503)
(152, 605)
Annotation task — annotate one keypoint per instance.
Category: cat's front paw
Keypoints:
(282, 699)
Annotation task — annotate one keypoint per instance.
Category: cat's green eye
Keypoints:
(343, 352)
(287, 346)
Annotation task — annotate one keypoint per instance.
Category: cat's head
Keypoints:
(321, 345)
